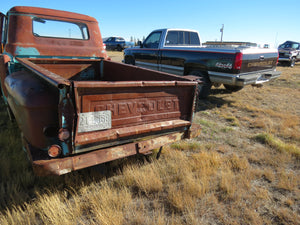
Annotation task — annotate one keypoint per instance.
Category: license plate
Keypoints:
(92, 121)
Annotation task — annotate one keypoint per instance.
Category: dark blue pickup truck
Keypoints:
(179, 51)
(115, 43)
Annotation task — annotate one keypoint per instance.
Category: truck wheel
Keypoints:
(232, 88)
(119, 48)
(292, 62)
(129, 60)
(205, 87)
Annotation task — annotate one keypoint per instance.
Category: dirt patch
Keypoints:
(115, 56)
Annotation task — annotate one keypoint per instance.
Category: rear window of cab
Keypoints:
(59, 29)
(183, 38)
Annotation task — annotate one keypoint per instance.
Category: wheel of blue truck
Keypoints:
(292, 62)
(232, 88)
(203, 89)
(119, 48)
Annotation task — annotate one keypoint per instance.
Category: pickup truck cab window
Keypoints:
(295, 46)
(120, 39)
(182, 38)
(111, 39)
(59, 29)
(290, 45)
(194, 38)
(152, 40)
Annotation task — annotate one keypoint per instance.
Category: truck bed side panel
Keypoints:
(179, 60)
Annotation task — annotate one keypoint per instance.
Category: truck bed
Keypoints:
(105, 104)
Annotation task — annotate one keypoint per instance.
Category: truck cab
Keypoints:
(148, 55)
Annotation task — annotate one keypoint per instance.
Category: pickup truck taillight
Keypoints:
(54, 151)
(238, 61)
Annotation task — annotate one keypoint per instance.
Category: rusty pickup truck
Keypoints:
(74, 106)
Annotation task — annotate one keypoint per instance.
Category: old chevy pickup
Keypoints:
(74, 107)
(179, 51)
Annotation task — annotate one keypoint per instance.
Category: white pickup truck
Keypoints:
(179, 51)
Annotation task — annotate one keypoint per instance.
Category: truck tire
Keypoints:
(205, 87)
(293, 62)
(129, 60)
(232, 88)
(119, 48)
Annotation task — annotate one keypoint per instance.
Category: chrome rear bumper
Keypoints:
(243, 78)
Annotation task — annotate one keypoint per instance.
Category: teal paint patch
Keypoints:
(26, 51)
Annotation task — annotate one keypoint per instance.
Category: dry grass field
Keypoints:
(244, 168)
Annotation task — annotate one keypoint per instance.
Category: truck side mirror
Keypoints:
(140, 44)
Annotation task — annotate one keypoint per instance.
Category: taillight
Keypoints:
(54, 151)
(238, 61)
(277, 58)
(63, 134)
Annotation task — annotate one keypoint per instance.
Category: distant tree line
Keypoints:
(136, 40)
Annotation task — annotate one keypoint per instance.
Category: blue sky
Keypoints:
(264, 21)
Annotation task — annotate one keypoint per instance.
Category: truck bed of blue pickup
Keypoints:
(180, 52)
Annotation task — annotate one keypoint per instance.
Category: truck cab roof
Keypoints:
(175, 29)
(47, 30)
(175, 37)
(50, 12)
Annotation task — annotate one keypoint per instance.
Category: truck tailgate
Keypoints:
(259, 60)
(113, 113)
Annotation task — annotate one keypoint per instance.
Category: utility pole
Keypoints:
(222, 30)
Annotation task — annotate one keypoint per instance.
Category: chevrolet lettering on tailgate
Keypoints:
(142, 106)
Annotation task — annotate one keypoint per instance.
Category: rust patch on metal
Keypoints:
(71, 163)
(114, 134)
(50, 77)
